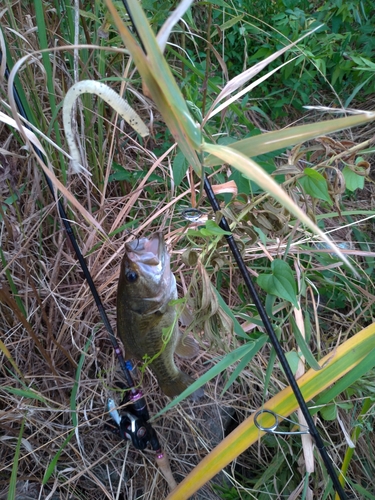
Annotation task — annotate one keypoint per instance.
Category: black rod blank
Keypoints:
(275, 342)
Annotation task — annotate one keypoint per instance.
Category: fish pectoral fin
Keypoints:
(187, 347)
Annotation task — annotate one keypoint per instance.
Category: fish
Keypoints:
(147, 322)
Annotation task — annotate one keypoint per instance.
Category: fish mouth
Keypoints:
(149, 259)
(147, 251)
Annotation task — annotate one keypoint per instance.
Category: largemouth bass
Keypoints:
(145, 289)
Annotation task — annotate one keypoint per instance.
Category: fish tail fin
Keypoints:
(176, 386)
(187, 347)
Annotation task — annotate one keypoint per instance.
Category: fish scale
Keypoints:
(146, 287)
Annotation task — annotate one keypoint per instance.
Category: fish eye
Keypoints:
(131, 276)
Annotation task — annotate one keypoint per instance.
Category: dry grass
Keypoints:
(49, 322)
(49, 316)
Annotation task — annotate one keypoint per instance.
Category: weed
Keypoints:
(55, 382)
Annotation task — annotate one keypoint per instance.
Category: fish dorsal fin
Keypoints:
(186, 347)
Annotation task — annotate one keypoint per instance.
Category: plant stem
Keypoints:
(354, 437)
(208, 59)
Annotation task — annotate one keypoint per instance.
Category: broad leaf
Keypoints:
(213, 229)
(180, 166)
(280, 282)
(353, 181)
(329, 412)
(315, 185)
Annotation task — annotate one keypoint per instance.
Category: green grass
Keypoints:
(51, 373)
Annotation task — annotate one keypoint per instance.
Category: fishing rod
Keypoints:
(133, 424)
(275, 342)
(266, 322)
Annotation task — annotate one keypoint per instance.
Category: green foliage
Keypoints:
(339, 54)
(213, 229)
(353, 181)
(281, 282)
(335, 59)
(180, 166)
(12, 495)
(314, 184)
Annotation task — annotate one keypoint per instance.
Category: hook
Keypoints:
(272, 429)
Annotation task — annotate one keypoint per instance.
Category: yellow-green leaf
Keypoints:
(157, 76)
(267, 183)
(271, 141)
(334, 366)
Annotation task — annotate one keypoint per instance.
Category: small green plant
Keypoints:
(336, 60)
(54, 380)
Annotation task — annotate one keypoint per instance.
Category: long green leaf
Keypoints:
(40, 15)
(222, 365)
(334, 366)
(238, 330)
(211, 85)
(52, 465)
(303, 346)
(252, 170)
(73, 396)
(73, 406)
(13, 477)
(159, 80)
(271, 141)
(356, 373)
(25, 393)
(257, 345)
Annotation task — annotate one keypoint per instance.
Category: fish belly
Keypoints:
(143, 336)
(172, 381)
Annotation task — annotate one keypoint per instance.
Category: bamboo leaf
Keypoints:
(334, 366)
(161, 85)
(221, 365)
(266, 182)
(238, 330)
(245, 361)
(356, 373)
(243, 77)
(246, 90)
(271, 141)
(308, 355)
